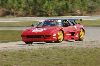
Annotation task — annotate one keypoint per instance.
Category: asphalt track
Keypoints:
(92, 34)
(92, 39)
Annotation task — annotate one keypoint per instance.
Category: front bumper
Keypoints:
(39, 39)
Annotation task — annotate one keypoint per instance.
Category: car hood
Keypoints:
(41, 30)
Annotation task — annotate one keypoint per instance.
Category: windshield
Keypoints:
(42, 24)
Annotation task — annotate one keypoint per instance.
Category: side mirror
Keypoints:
(32, 25)
(78, 23)
(81, 20)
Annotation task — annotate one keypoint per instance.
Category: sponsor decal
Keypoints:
(38, 29)
(59, 20)
(76, 35)
(54, 34)
(68, 34)
(75, 27)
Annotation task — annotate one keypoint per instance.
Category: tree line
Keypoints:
(48, 7)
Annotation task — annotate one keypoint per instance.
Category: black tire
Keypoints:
(49, 42)
(28, 42)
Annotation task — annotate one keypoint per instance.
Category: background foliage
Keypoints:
(48, 7)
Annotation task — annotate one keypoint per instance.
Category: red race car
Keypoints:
(54, 30)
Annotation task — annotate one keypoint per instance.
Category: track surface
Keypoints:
(22, 19)
(92, 39)
(92, 34)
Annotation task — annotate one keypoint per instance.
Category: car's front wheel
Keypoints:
(60, 36)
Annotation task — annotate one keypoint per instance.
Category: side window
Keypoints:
(53, 23)
(73, 22)
(39, 24)
(65, 23)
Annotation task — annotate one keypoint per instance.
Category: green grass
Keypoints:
(10, 35)
(16, 24)
(91, 23)
(51, 57)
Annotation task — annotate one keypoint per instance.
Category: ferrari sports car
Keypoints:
(54, 30)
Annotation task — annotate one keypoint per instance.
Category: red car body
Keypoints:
(42, 33)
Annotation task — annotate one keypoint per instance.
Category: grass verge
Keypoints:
(91, 23)
(16, 24)
(10, 35)
(51, 57)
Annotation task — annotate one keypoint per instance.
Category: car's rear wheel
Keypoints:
(81, 35)
(60, 36)
(28, 42)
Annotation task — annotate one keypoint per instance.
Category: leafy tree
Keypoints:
(49, 7)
